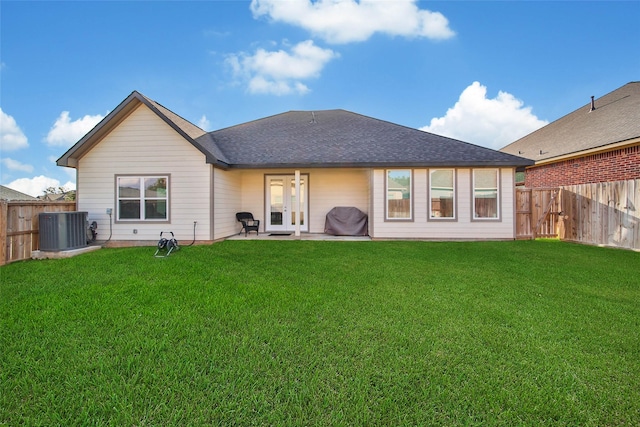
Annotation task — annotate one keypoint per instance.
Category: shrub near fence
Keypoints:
(19, 227)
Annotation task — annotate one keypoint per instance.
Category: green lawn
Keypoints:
(324, 333)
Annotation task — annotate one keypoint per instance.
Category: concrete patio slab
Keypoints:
(63, 254)
(303, 236)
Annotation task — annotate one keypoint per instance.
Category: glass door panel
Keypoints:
(276, 202)
(303, 198)
(281, 214)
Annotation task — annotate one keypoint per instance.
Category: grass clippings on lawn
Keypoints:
(324, 333)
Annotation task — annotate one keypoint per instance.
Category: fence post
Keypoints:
(3, 231)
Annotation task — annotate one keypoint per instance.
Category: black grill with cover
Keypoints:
(346, 221)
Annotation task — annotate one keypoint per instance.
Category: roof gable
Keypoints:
(186, 129)
(615, 119)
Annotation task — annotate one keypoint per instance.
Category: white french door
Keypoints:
(281, 203)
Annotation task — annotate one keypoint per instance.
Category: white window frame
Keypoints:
(475, 216)
(142, 198)
(453, 190)
(387, 199)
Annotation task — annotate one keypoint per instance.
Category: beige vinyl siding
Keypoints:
(463, 228)
(143, 144)
(336, 187)
(252, 200)
(227, 189)
(328, 188)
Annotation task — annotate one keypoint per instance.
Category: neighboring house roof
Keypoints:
(614, 122)
(7, 193)
(329, 138)
(395, 185)
(58, 197)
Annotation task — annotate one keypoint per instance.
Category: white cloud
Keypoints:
(280, 72)
(14, 165)
(65, 132)
(68, 171)
(72, 175)
(204, 123)
(11, 136)
(262, 85)
(37, 185)
(491, 123)
(346, 21)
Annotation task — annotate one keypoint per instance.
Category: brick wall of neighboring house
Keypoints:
(617, 165)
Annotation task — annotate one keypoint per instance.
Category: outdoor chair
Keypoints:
(248, 223)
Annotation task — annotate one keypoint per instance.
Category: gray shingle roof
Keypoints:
(330, 138)
(186, 126)
(616, 119)
(7, 193)
(336, 138)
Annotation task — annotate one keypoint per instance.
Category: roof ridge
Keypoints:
(612, 118)
(171, 112)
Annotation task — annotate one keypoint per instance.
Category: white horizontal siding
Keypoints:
(143, 144)
(227, 201)
(462, 228)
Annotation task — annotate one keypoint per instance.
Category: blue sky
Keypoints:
(483, 72)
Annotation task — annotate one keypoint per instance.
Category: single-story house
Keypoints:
(598, 142)
(10, 194)
(59, 197)
(143, 169)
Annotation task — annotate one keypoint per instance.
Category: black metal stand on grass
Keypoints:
(166, 246)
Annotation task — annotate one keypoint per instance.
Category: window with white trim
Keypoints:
(442, 197)
(143, 198)
(398, 183)
(486, 194)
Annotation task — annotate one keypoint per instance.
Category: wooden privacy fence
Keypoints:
(19, 226)
(398, 208)
(606, 213)
(537, 212)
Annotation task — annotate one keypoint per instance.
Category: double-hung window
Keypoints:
(399, 189)
(143, 198)
(486, 194)
(442, 198)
